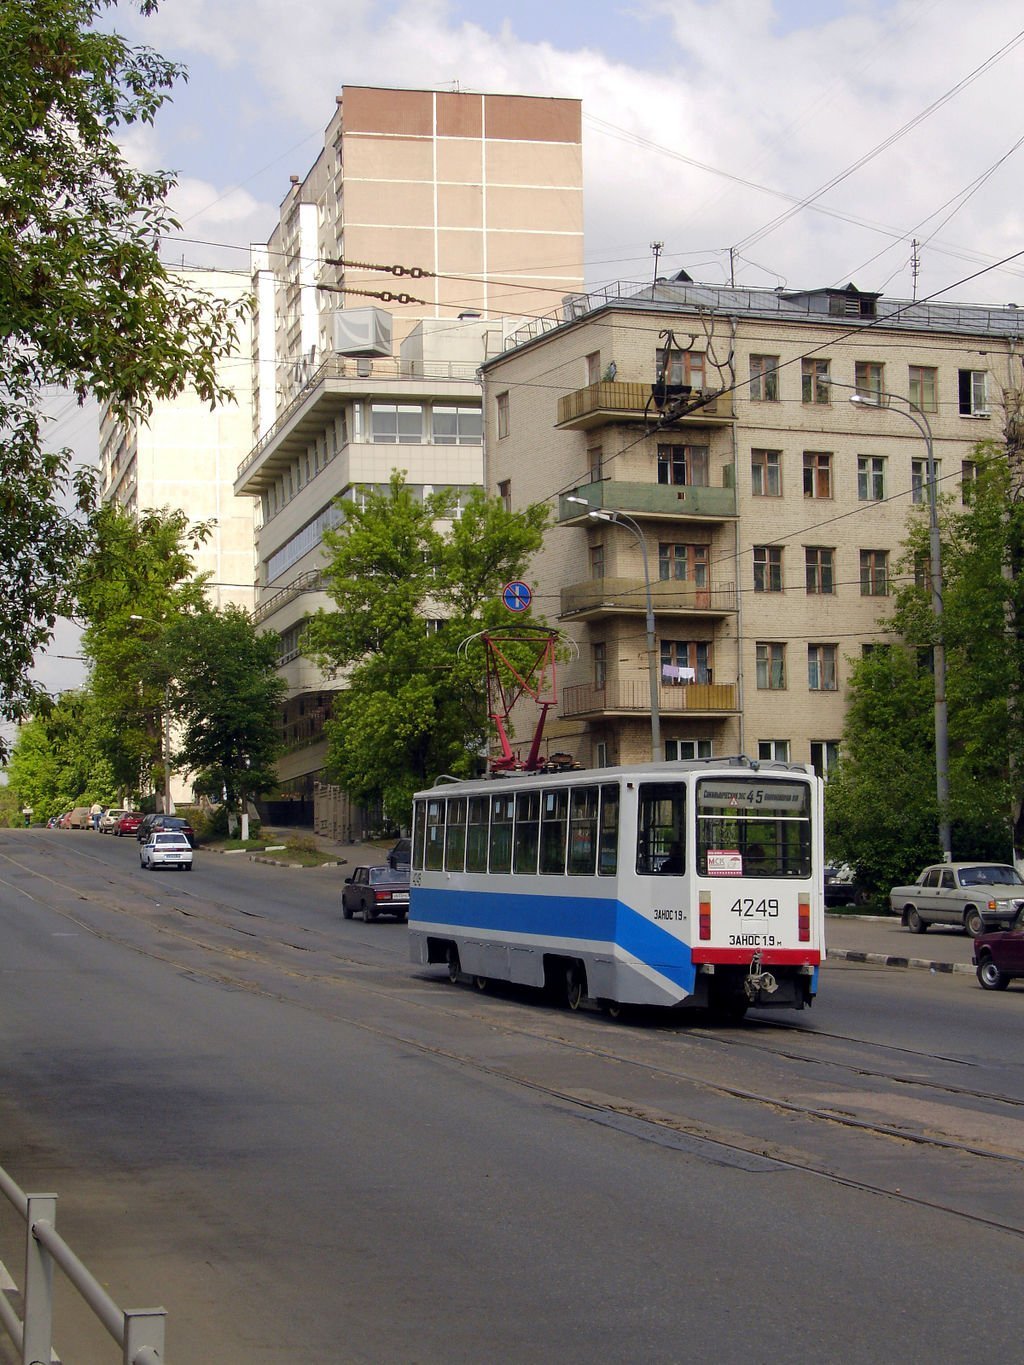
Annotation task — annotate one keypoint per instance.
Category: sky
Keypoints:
(704, 121)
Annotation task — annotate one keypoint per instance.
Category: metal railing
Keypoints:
(138, 1331)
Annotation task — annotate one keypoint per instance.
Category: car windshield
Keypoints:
(379, 875)
(990, 874)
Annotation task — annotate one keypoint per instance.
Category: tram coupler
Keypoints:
(758, 981)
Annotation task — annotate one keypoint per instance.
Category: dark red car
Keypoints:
(128, 823)
(999, 955)
(374, 891)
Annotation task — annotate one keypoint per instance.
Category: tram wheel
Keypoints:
(612, 1009)
(481, 983)
(575, 985)
(454, 965)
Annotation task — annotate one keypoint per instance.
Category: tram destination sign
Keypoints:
(776, 798)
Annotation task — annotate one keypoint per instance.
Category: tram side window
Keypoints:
(501, 834)
(435, 835)
(527, 831)
(661, 829)
(418, 832)
(476, 835)
(608, 838)
(553, 830)
(582, 831)
(455, 844)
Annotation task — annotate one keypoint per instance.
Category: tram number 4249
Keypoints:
(749, 908)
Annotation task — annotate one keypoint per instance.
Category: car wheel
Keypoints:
(346, 910)
(990, 977)
(369, 915)
(973, 923)
(402, 916)
(914, 921)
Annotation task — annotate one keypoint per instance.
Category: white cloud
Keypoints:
(759, 91)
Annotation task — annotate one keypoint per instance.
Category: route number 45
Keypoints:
(748, 908)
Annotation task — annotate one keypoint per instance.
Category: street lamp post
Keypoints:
(914, 414)
(168, 800)
(621, 519)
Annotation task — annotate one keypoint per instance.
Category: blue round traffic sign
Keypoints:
(516, 596)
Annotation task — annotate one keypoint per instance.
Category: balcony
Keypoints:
(628, 596)
(632, 697)
(655, 501)
(612, 400)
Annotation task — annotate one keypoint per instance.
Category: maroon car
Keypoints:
(373, 891)
(999, 955)
(128, 823)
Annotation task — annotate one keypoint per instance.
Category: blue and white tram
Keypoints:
(677, 883)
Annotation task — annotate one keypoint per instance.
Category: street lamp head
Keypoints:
(571, 497)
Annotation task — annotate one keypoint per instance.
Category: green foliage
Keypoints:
(881, 805)
(227, 697)
(85, 302)
(57, 763)
(408, 595)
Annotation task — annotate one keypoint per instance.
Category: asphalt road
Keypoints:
(261, 1116)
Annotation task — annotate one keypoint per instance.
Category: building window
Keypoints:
(601, 754)
(923, 387)
(593, 367)
(766, 473)
(682, 750)
(821, 668)
(595, 462)
(680, 465)
(919, 480)
(874, 573)
(817, 474)
(764, 378)
(869, 377)
(505, 494)
(968, 477)
(457, 426)
(501, 405)
(686, 661)
(597, 560)
(600, 665)
(871, 478)
(767, 568)
(773, 750)
(396, 423)
(684, 563)
(814, 381)
(824, 756)
(974, 393)
(681, 367)
(819, 569)
(771, 666)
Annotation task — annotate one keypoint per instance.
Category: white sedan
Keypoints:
(166, 850)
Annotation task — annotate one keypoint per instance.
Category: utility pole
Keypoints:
(657, 248)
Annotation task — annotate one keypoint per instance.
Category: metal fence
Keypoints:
(138, 1331)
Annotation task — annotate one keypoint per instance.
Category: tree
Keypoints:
(86, 303)
(227, 699)
(56, 762)
(408, 594)
(881, 807)
(137, 568)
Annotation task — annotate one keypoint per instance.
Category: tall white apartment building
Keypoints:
(186, 456)
(714, 424)
(427, 221)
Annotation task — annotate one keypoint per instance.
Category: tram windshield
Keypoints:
(753, 827)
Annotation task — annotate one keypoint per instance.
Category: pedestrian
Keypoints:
(95, 811)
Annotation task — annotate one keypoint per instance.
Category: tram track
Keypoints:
(448, 1014)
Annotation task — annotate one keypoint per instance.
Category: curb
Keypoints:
(891, 960)
(278, 862)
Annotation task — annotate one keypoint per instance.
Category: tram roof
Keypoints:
(732, 765)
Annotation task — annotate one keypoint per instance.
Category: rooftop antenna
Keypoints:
(915, 265)
(657, 248)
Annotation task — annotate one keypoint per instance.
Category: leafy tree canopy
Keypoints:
(85, 302)
(57, 762)
(412, 583)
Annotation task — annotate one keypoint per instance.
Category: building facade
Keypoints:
(427, 221)
(708, 431)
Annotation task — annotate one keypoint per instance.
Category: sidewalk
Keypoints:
(883, 942)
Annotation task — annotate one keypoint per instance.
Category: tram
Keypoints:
(695, 883)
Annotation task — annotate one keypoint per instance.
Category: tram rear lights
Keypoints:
(804, 920)
(705, 919)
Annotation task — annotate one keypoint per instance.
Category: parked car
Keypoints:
(842, 886)
(110, 817)
(401, 854)
(165, 848)
(65, 820)
(373, 891)
(128, 824)
(978, 896)
(999, 955)
(79, 818)
(178, 823)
